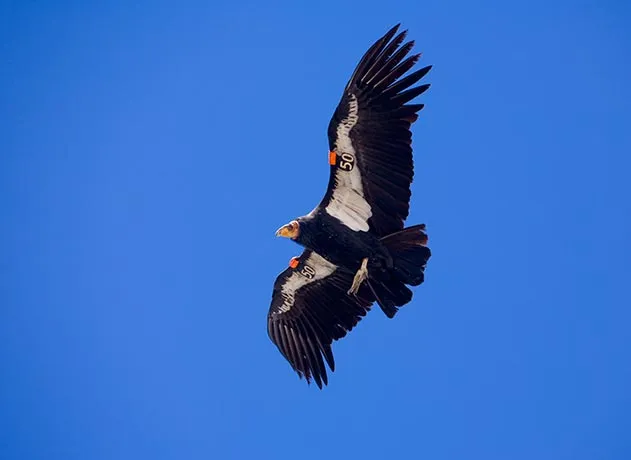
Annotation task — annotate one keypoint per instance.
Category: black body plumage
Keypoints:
(336, 242)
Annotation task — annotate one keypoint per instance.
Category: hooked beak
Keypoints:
(290, 230)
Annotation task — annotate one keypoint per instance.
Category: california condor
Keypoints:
(357, 250)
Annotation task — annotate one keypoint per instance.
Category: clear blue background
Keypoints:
(149, 150)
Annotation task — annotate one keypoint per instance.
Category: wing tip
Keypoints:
(393, 29)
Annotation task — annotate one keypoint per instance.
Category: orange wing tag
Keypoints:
(293, 263)
(332, 158)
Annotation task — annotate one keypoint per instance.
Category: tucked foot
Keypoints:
(360, 277)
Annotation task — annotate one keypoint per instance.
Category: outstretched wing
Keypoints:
(370, 139)
(310, 309)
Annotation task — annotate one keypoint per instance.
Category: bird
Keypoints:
(357, 250)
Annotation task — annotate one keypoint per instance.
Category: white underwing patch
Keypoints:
(347, 203)
(322, 269)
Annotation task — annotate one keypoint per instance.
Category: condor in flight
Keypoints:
(357, 250)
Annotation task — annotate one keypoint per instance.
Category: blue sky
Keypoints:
(148, 152)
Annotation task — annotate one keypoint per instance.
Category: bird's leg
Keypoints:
(360, 276)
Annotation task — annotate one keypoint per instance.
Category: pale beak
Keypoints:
(288, 231)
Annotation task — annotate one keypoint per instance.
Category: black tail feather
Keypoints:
(409, 251)
(390, 295)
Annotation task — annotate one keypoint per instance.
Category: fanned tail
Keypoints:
(409, 251)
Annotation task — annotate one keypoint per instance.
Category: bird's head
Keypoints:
(290, 230)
